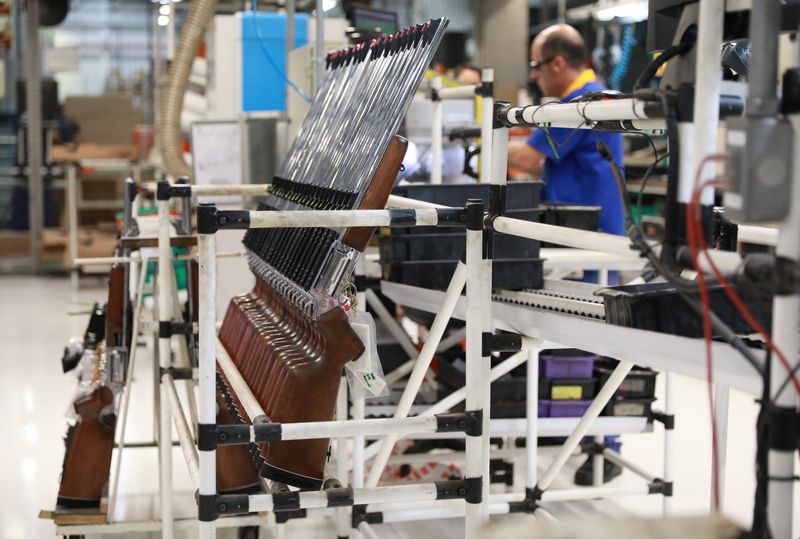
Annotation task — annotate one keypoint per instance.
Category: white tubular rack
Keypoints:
(533, 330)
(484, 90)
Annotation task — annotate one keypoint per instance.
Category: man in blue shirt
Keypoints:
(568, 160)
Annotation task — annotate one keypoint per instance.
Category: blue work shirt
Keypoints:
(579, 175)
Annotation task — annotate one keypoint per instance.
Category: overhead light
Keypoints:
(162, 20)
(328, 5)
(165, 9)
(633, 11)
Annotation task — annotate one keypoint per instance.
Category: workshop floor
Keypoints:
(35, 324)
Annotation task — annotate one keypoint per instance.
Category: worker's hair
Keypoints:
(573, 50)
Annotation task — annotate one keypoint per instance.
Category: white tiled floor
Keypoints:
(34, 325)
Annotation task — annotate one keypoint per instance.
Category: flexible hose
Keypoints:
(169, 128)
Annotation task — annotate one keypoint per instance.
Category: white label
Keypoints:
(366, 369)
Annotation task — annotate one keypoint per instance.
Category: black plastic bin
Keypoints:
(628, 407)
(508, 274)
(640, 382)
(659, 307)
(578, 216)
(566, 389)
(520, 195)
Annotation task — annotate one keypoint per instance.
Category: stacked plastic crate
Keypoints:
(566, 382)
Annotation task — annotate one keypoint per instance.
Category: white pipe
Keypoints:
(474, 371)
(358, 427)
(760, 235)
(570, 237)
(707, 90)
(487, 128)
(72, 214)
(500, 159)
(165, 361)
(361, 496)
(532, 419)
(457, 396)
(411, 204)
(599, 402)
(423, 362)
(786, 319)
(670, 395)
(111, 260)
(579, 113)
(358, 445)
(184, 435)
(485, 313)
(207, 412)
(617, 459)
(333, 219)
(243, 392)
(244, 189)
(413, 515)
(721, 401)
(367, 530)
(451, 340)
(143, 526)
(436, 134)
(686, 170)
(342, 513)
(590, 493)
(466, 91)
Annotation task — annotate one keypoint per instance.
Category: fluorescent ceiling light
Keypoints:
(633, 11)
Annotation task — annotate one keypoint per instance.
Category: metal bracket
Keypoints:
(504, 342)
(210, 219)
(659, 486)
(165, 191)
(668, 420)
(530, 504)
(211, 506)
(360, 515)
(167, 329)
(470, 422)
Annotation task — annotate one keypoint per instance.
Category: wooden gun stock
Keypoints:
(380, 186)
(87, 462)
(308, 393)
(115, 307)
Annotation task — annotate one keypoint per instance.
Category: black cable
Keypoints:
(644, 180)
(650, 70)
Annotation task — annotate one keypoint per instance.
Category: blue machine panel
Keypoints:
(264, 58)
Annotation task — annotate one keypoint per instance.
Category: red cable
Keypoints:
(692, 236)
(693, 209)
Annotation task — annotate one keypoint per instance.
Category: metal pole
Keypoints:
(207, 246)
(33, 105)
(532, 415)
(165, 361)
(474, 371)
(319, 53)
(721, 399)
(72, 217)
(669, 437)
(436, 132)
(487, 133)
(786, 316)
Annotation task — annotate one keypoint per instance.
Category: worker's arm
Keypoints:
(521, 156)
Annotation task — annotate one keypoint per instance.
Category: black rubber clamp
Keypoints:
(167, 329)
(498, 196)
(206, 507)
(668, 420)
(435, 95)
(530, 504)
(485, 89)
(210, 506)
(469, 422)
(267, 432)
(340, 497)
(593, 449)
(455, 217)
(360, 515)
(503, 342)
(474, 211)
(282, 517)
(474, 490)
(453, 489)
(210, 219)
(286, 501)
(206, 436)
(784, 430)
(165, 191)
(659, 486)
(402, 217)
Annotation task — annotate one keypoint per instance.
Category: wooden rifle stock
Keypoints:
(87, 462)
(380, 187)
(115, 307)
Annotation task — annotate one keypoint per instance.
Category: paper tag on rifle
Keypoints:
(366, 371)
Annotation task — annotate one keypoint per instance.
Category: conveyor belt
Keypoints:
(576, 304)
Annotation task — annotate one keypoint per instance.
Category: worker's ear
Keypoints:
(559, 64)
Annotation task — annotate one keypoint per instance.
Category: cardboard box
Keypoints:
(103, 119)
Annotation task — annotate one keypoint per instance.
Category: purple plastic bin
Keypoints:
(568, 408)
(576, 366)
(544, 408)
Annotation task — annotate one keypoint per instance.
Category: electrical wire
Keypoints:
(270, 61)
